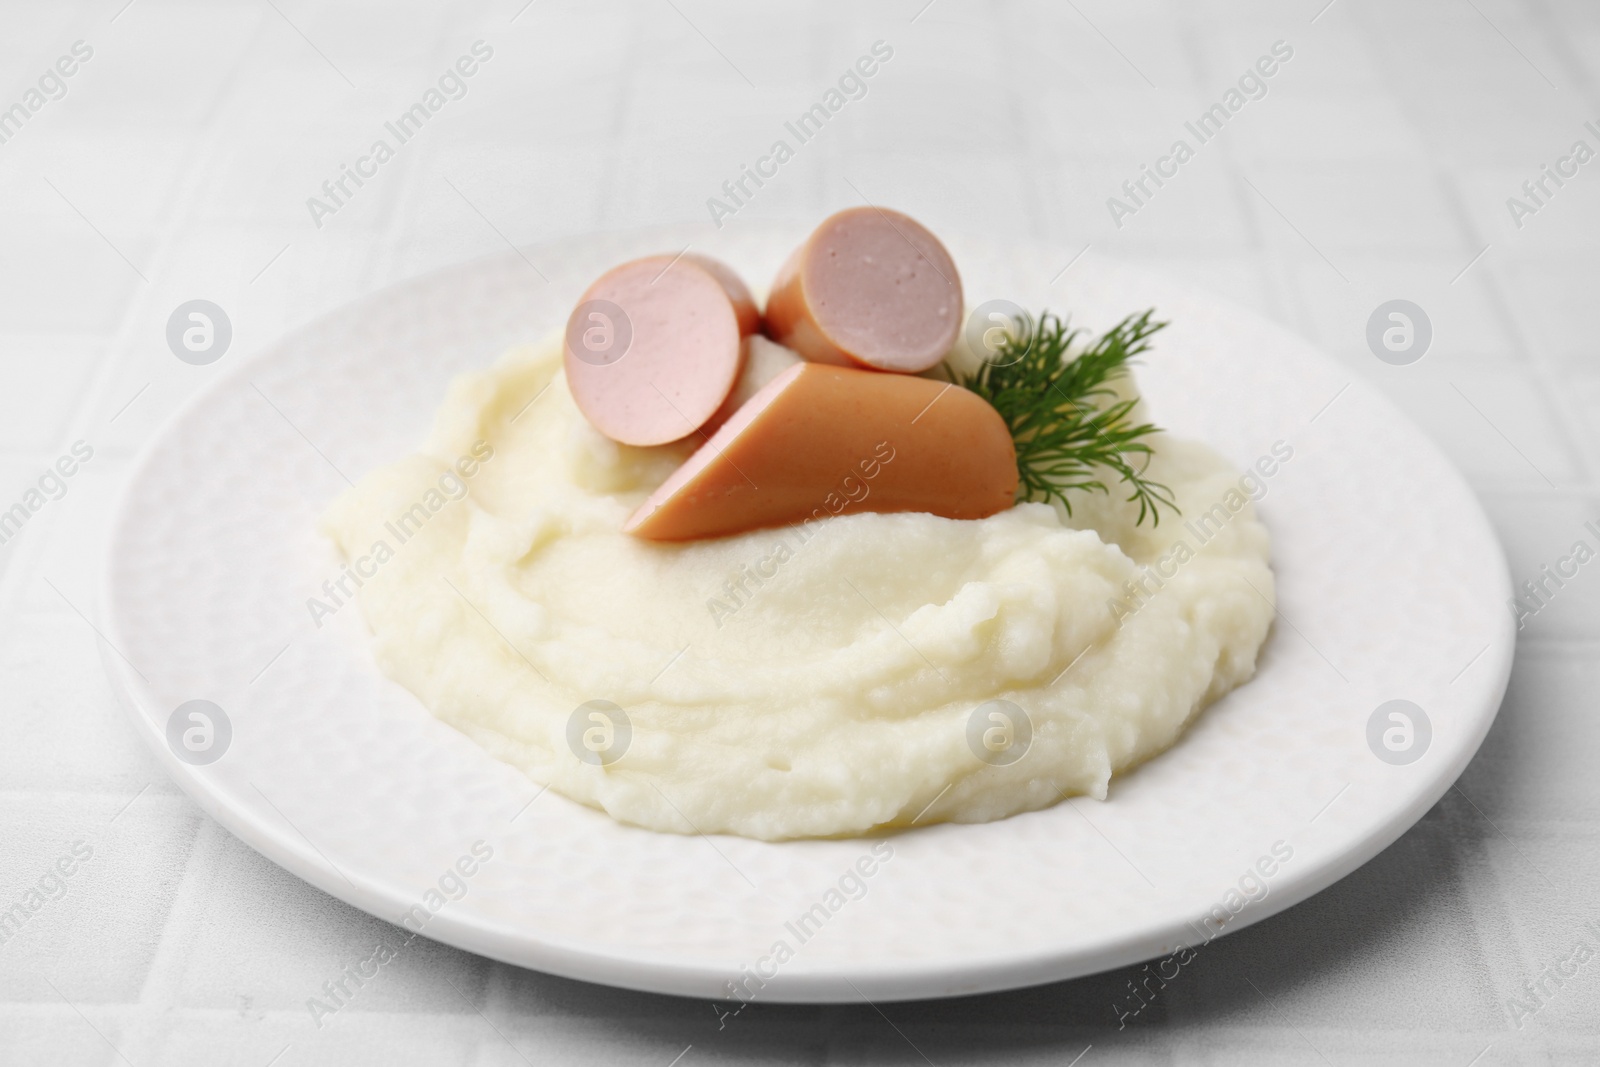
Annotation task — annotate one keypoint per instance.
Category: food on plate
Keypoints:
(1065, 410)
(891, 442)
(871, 288)
(654, 347)
(848, 599)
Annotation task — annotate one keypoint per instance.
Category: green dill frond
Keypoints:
(1066, 419)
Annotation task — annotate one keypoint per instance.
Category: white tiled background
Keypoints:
(1378, 166)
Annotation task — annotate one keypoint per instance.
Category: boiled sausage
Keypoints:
(653, 347)
(820, 440)
(871, 288)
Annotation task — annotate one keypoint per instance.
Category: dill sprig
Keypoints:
(1067, 422)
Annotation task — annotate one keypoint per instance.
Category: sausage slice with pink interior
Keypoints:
(653, 347)
(870, 288)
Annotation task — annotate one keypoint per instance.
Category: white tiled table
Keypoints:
(177, 166)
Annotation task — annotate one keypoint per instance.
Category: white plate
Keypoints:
(1391, 586)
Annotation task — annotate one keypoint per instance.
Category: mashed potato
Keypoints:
(815, 681)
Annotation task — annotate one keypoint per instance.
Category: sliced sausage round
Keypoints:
(870, 288)
(653, 349)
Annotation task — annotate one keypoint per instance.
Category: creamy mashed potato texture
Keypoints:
(818, 680)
